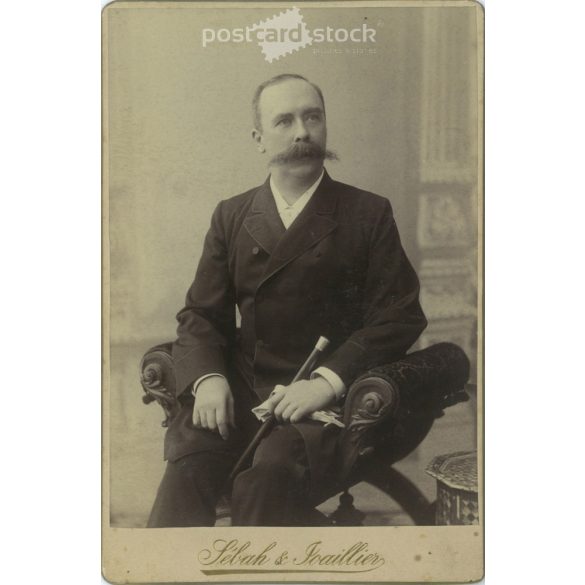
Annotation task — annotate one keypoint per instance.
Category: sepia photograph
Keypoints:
(305, 280)
(293, 290)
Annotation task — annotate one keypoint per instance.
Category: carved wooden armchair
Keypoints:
(387, 413)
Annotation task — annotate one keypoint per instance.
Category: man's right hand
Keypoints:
(214, 406)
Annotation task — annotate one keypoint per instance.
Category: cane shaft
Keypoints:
(267, 425)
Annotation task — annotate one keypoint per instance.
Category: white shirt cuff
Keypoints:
(333, 379)
(199, 380)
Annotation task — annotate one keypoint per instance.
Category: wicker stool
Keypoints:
(456, 475)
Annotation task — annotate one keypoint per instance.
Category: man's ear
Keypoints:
(257, 137)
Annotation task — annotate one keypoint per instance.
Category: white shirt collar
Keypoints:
(300, 203)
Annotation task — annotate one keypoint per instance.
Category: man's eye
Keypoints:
(283, 122)
(313, 117)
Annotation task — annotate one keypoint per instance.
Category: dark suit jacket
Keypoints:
(338, 271)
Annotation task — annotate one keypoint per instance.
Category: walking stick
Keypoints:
(267, 425)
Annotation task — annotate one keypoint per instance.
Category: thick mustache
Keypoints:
(302, 151)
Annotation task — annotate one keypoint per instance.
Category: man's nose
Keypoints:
(301, 132)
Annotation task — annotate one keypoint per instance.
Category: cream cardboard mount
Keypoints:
(402, 86)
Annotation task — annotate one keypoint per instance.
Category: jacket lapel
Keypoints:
(263, 222)
(315, 222)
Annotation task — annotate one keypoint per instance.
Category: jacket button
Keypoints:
(255, 250)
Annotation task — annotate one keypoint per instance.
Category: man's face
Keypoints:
(294, 133)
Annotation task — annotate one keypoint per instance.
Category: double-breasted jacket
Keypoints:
(338, 271)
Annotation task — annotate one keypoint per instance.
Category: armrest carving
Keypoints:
(432, 378)
(157, 378)
(392, 407)
(368, 402)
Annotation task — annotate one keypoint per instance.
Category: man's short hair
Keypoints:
(273, 81)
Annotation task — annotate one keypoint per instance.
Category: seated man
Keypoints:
(302, 256)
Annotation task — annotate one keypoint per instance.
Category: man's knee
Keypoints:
(279, 460)
(202, 471)
(283, 448)
(193, 464)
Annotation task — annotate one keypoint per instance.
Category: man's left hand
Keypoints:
(294, 402)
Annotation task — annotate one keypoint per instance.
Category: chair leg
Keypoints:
(403, 492)
(346, 513)
(223, 509)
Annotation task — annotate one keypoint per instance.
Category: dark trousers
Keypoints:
(272, 492)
